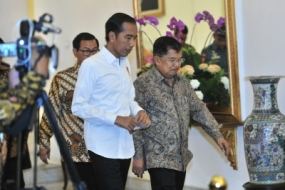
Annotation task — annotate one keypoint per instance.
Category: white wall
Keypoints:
(260, 32)
(260, 45)
(11, 13)
(260, 52)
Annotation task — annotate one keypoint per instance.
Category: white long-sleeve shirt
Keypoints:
(104, 90)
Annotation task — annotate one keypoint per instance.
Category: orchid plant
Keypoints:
(147, 20)
(152, 21)
(174, 23)
(214, 27)
(208, 82)
(206, 16)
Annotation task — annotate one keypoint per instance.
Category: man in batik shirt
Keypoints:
(60, 95)
(169, 100)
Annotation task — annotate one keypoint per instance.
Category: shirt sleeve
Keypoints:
(45, 132)
(81, 107)
(203, 116)
(137, 135)
(134, 106)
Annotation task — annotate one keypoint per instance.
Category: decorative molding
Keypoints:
(139, 45)
(230, 134)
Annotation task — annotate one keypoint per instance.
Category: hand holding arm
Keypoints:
(126, 122)
(142, 120)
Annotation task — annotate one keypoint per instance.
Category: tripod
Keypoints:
(32, 113)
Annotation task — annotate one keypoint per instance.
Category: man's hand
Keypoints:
(142, 120)
(4, 152)
(223, 144)
(44, 154)
(126, 123)
(138, 167)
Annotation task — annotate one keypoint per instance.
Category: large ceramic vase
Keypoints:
(264, 134)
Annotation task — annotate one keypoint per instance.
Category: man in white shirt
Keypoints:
(104, 99)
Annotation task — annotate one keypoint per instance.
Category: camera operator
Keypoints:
(15, 97)
(4, 68)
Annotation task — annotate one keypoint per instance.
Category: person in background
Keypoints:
(4, 68)
(3, 65)
(169, 100)
(61, 95)
(183, 35)
(188, 51)
(104, 99)
(13, 103)
(217, 51)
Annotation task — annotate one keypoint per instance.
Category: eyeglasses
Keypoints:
(173, 60)
(87, 52)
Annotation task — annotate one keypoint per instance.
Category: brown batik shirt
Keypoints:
(60, 95)
(165, 143)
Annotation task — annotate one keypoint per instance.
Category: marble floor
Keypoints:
(50, 178)
(131, 185)
(59, 185)
(54, 186)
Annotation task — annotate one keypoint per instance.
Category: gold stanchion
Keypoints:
(218, 183)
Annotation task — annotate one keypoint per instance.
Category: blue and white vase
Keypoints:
(264, 134)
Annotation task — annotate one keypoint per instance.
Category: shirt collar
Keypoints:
(76, 67)
(109, 56)
(159, 77)
(215, 47)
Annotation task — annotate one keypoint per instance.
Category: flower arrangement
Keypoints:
(209, 83)
(207, 79)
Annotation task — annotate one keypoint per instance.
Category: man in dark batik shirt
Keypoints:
(169, 100)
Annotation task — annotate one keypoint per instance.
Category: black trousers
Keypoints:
(166, 179)
(86, 174)
(111, 174)
(10, 175)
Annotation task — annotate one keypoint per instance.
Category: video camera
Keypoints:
(22, 48)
